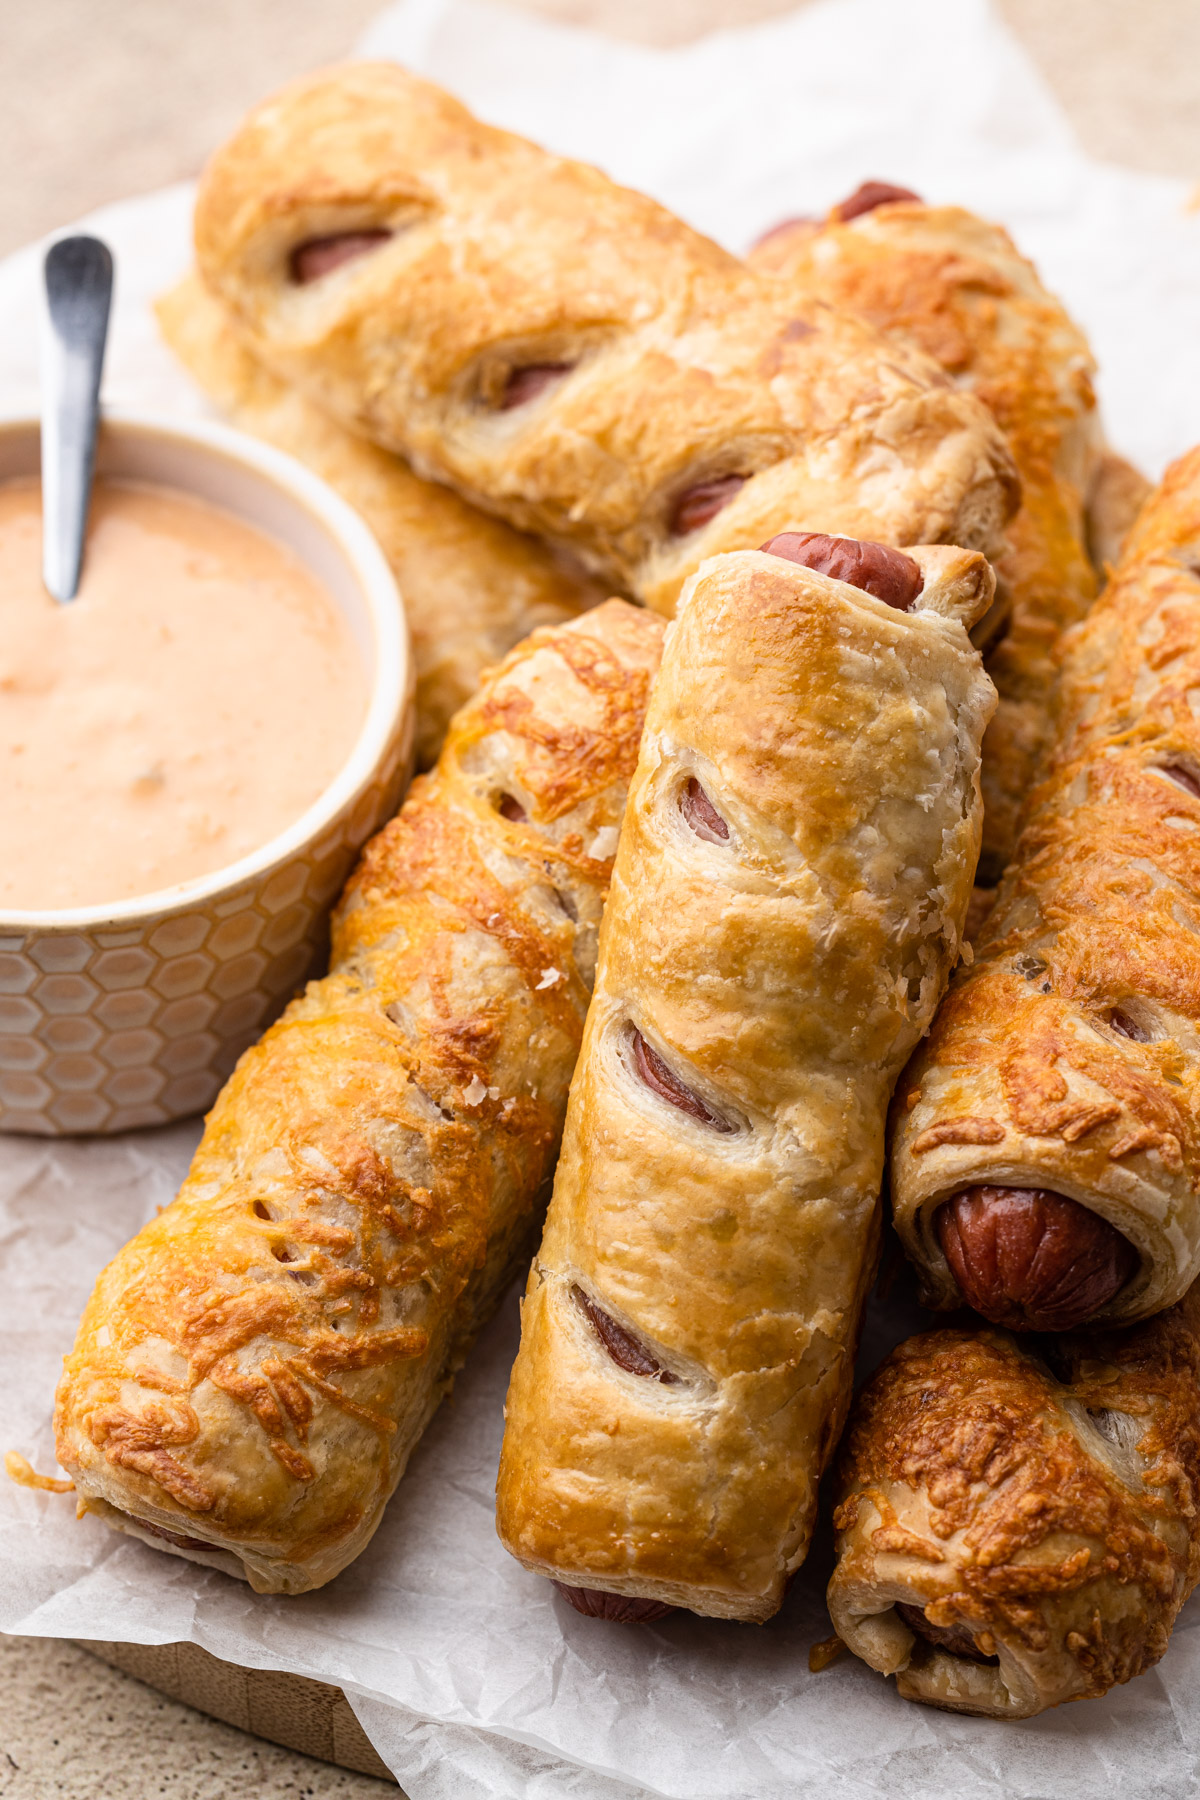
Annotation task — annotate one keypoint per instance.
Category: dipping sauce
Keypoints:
(193, 701)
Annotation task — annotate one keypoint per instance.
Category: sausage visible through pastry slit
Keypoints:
(525, 384)
(766, 983)
(1031, 1260)
(265, 1354)
(320, 256)
(1183, 777)
(956, 1639)
(703, 502)
(709, 405)
(656, 1073)
(1122, 1020)
(700, 813)
(626, 1350)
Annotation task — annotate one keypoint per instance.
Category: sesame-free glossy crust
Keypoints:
(254, 1369)
(955, 286)
(1053, 1517)
(472, 587)
(685, 366)
(1024, 1080)
(781, 974)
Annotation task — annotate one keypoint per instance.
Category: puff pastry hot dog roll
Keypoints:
(472, 587)
(254, 1369)
(566, 353)
(1046, 1152)
(788, 898)
(1011, 1537)
(949, 282)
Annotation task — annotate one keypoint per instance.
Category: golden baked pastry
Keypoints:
(955, 286)
(254, 1369)
(1115, 498)
(1053, 1110)
(787, 902)
(1012, 1535)
(563, 351)
(472, 587)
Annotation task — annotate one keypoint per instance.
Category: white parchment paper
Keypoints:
(471, 1677)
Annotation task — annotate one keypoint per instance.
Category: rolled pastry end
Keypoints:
(1007, 1539)
(928, 578)
(1032, 1260)
(942, 1666)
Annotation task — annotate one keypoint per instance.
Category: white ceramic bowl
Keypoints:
(134, 1013)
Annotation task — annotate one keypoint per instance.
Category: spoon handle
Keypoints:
(79, 279)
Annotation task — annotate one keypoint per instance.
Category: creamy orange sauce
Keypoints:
(193, 701)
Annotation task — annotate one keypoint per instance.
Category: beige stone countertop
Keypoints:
(103, 98)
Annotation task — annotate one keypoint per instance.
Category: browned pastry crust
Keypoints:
(1068, 1056)
(1008, 1537)
(955, 286)
(788, 899)
(1115, 498)
(472, 587)
(254, 1369)
(564, 352)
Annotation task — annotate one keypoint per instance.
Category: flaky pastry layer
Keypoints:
(564, 352)
(253, 1370)
(1067, 1057)
(779, 974)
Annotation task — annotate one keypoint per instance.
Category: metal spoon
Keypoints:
(79, 278)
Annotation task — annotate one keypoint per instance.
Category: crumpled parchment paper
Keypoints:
(470, 1676)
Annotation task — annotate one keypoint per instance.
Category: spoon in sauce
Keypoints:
(79, 278)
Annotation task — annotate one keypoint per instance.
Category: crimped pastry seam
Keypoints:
(955, 286)
(472, 587)
(1051, 1517)
(1025, 1080)
(676, 365)
(781, 974)
(254, 1368)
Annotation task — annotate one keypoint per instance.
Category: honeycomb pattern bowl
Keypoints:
(132, 1014)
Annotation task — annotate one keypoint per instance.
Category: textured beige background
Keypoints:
(100, 98)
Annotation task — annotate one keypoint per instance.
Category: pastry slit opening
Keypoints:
(627, 1351)
(1124, 1022)
(656, 1073)
(284, 1253)
(699, 504)
(525, 384)
(700, 813)
(1182, 775)
(321, 255)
